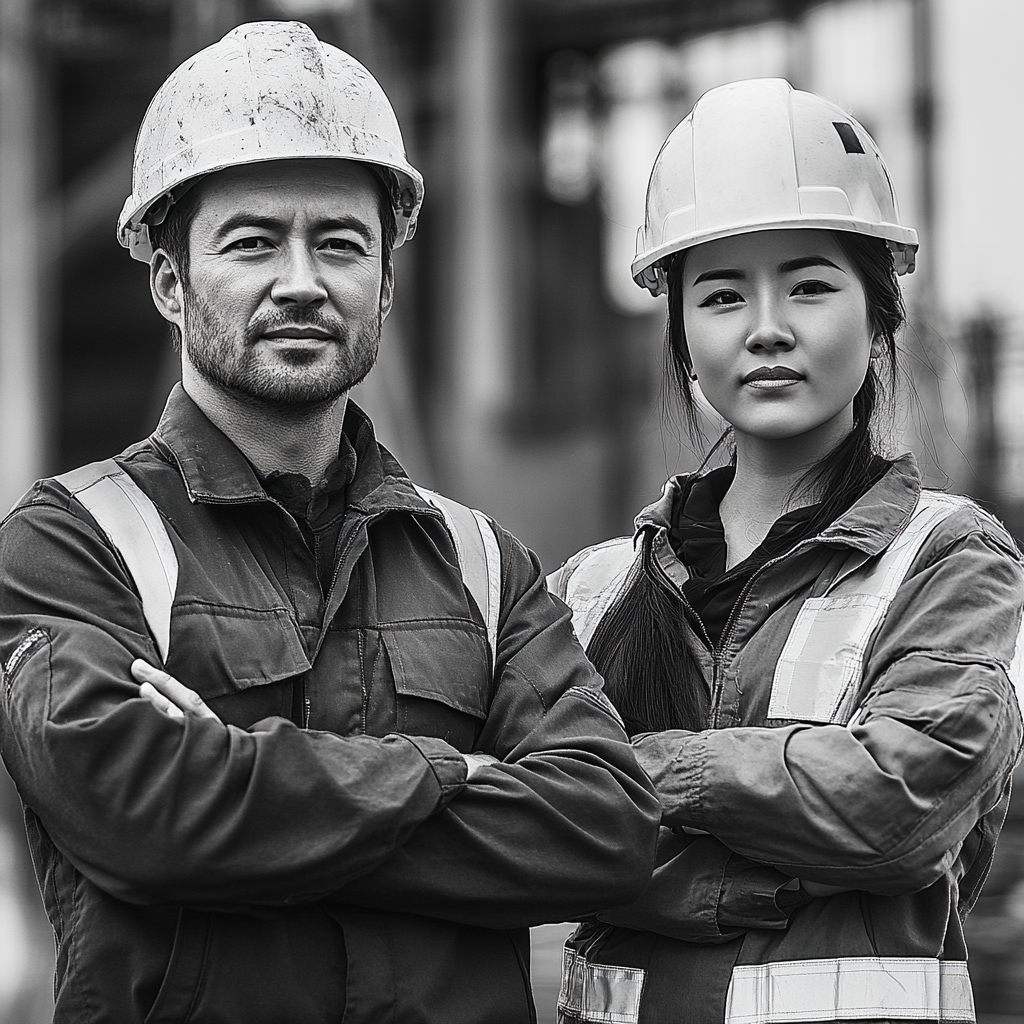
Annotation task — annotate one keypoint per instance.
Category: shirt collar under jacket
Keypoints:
(215, 471)
(869, 525)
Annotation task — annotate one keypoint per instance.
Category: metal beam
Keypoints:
(589, 24)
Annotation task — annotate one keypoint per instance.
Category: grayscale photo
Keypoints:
(512, 512)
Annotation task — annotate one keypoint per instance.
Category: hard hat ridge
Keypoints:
(268, 90)
(757, 155)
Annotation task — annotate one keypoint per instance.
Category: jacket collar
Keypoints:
(215, 470)
(869, 525)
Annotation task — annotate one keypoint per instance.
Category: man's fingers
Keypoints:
(169, 689)
(159, 701)
(474, 762)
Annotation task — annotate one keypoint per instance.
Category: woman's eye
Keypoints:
(812, 288)
(725, 297)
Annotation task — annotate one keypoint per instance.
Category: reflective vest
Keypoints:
(133, 526)
(816, 679)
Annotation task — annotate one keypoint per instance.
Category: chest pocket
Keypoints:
(818, 673)
(443, 682)
(443, 676)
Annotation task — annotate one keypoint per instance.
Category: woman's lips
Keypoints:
(772, 377)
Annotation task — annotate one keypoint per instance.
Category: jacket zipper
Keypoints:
(730, 626)
(737, 608)
(29, 644)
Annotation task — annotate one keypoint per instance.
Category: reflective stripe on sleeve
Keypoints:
(599, 993)
(850, 988)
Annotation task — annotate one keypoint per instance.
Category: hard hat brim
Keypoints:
(132, 219)
(902, 240)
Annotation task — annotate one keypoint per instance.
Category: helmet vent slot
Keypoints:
(850, 141)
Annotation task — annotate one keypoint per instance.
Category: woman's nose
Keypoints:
(299, 282)
(769, 332)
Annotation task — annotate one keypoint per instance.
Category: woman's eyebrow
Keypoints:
(719, 275)
(802, 262)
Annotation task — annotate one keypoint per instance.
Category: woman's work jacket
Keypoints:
(861, 732)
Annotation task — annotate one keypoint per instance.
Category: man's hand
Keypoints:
(474, 762)
(176, 700)
(166, 694)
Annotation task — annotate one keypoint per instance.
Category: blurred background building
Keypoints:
(521, 370)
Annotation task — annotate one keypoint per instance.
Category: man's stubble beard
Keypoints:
(229, 362)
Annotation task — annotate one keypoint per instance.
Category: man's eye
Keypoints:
(253, 244)
(813, 288)
(725, 297)
(342, 245)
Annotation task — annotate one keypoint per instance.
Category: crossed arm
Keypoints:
(176, 700)
(161, 809)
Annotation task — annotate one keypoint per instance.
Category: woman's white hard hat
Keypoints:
(758, 155)
(269, 90)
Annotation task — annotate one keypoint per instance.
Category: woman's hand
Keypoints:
(166, 694)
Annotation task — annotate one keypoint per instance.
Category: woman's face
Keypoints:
(777, 327)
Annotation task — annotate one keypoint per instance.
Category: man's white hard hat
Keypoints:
(760, 154)
(269, 90)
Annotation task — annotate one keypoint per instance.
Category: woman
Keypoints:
(813, 655)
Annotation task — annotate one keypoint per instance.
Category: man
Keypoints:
(361, 814)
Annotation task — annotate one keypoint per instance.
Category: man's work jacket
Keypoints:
(320, 857)
(861, 732)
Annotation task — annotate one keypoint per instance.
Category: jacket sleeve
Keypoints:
(700, 891)
(154, 809)
(566, 824)
(884, 804)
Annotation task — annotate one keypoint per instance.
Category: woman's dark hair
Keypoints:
(650, 673)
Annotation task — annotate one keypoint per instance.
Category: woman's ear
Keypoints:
(877, 346)
(166, 288)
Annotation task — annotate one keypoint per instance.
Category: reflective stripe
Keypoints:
(817, 675)
(479, 557)
(134, 527)
(595, 582)
(1016, 672)
(599, 993)
(851, 988)
(492, 556)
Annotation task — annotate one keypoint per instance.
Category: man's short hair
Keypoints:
(172, 233)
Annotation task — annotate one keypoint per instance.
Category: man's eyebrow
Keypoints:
(247, 220)
(347, 223)
(720, 275)
(802, 262)
(251, 220)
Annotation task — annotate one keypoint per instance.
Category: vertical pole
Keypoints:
(982, 335)
(924, 131)
(480, 263)
(22, 433)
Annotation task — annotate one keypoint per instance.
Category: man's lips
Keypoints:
(772, 377)
(296, 333)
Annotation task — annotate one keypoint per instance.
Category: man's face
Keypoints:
(285, 294)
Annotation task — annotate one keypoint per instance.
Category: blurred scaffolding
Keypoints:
(521, 369)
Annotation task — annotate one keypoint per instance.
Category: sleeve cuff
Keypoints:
(675, 761)
(757, 896)
(447, 764)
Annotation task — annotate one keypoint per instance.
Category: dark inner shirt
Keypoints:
(319, 510)
(698, 539)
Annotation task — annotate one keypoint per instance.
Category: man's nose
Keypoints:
(299, 282)
(769, 332)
